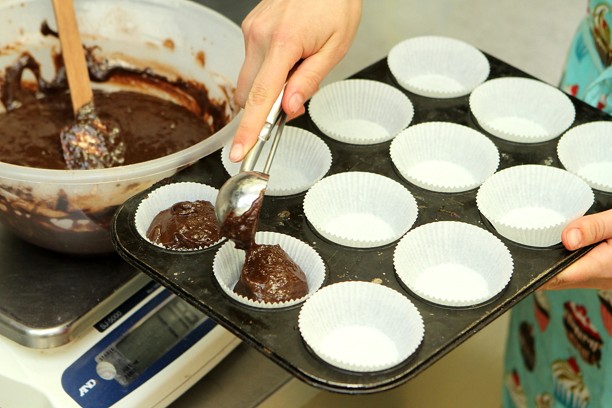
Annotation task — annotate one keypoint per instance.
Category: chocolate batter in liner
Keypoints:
(186, 225)
(270, 275)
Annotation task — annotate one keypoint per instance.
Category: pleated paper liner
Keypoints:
(228, 263)
(458, 264)
(360, 209)
(360, 111)
(438, 67)
(165, 197)
(444, 157)
(301, 159)
(522, 110)
(531, 204)
(586, 150)
(361, 326)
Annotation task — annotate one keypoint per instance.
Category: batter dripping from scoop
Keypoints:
(268, 274)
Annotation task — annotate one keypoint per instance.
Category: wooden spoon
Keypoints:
(88, 144)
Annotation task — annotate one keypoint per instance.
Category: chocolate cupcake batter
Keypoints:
(270, 275)
(241, 229)
(151, 127)
(157, 115)
(185, 225)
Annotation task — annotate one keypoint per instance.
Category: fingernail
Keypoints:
(236, 153)
(295, 103)
(574, 238)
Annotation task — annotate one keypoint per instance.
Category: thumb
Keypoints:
(588, 230)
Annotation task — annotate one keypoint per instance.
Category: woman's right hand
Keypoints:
(278, 34)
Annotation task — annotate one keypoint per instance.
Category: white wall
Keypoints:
(532, 35)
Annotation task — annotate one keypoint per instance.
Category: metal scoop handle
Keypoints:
(279, 131)
(276, 116)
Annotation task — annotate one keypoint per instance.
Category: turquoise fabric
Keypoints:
(560, 354)
(588, 74)
(559, 348)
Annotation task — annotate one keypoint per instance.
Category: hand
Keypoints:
(278, 34)
(594, 269)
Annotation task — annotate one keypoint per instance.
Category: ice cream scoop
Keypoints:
(238, 202)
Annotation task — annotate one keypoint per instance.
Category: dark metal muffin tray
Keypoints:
(275, 332)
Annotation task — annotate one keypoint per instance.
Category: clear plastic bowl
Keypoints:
(70, 210)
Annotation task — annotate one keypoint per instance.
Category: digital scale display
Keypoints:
(156, 334)
(147, 341)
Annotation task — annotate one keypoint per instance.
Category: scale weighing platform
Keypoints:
(93, 332)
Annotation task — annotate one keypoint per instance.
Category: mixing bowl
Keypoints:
(71, 210)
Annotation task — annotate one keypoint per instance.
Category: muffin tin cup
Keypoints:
(438, 67)
(301, 159)
(360, 111)
(228, 263)
(361, 326)
(586, 151)
(360, 209)
(458, 265)
(165, 197)
(444, 157)
(522, 110)
(532, 204)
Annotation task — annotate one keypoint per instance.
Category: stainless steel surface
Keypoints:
(47, 298)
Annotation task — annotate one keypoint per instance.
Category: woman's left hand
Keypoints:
(594, 269)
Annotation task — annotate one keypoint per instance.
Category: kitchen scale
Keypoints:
(93, 332)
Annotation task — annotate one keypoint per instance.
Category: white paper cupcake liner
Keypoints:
(522, 110)
(444, 157)
(360, 111)
(458, 264)
(360, 209)
(531, 204)
(228, 263)
(165, 197)
(361, 326)
(438, 67)
(586, 150)
(301, 160)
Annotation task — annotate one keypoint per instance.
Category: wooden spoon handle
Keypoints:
(73, 54)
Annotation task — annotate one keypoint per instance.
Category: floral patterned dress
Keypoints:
(559, 350)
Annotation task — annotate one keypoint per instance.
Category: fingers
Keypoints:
(305, 81)
(588, 230)
(254, 56)
(593, 270)
(247, 75)
(263, 92)
(266, 86)
(268, 58)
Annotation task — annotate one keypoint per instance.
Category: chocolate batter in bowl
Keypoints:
(178, 53)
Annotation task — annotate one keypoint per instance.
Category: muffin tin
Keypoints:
(275, 332)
